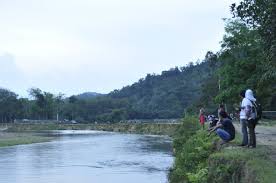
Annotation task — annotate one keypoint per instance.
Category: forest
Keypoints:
(246, 59)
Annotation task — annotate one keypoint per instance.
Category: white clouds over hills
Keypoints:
(101, 45)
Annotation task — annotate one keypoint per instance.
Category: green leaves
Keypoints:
(9, 105)
(192, 153)
(241, 59)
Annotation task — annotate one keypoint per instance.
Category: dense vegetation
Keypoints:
(247, 59)
(156, 96)
(199, 157)
(249, 52)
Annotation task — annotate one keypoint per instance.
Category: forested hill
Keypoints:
(168, 94)
(88, 95)
(156, 96)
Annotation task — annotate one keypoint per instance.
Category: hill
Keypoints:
(168, 94)
(88, 95)
(162, 96)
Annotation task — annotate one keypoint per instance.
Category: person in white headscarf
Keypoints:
(247, 118)
(251, 117)
(249, 95)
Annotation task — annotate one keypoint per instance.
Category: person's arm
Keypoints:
(216, 127)
(248, 111)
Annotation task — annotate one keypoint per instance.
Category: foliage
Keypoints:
(260, 16)
(241, 165)
(199, 158)
(9, 105)
(155, 96)
(189, 126)
(168, 94)
(192, 150)
(241, 58)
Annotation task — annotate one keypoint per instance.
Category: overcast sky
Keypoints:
(74, 46)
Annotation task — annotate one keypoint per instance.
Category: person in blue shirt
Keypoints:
(224, 128)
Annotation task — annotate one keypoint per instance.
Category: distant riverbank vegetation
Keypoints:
(141, 128)
(247, 59)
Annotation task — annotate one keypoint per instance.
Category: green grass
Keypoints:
(199, 159)
(243, 165)
(24, 133)
(237, 164)
(11, 139)
(143, 128)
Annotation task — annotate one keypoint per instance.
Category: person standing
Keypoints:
(243, 118)
(251, 113)
(202, 117)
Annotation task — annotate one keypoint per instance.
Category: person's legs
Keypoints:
(224, 135)
(252, 135)
(202, 125)
(244, 132)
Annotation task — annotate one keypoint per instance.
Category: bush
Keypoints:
(191, 155)
(188, 128)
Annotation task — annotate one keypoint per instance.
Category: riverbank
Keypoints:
(25, 133)
(10, 138)
(142, 128)
(199, 157)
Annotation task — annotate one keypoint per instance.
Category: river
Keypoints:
(88, 157)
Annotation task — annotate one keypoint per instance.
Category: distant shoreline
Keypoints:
(20, 138)
(142, 128)
(22, 133)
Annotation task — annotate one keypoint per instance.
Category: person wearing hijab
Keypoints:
(251, 118)
(248, 118)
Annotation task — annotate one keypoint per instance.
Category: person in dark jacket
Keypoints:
(224, 128)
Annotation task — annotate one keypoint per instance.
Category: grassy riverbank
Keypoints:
(142, 128)
(25, 133)
(200, 158)
(10, 139)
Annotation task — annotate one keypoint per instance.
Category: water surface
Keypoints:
(88, 156)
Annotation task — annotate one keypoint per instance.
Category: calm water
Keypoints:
(88, 156)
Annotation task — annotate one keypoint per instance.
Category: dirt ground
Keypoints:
(265, 135)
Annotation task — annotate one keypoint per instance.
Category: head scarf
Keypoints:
(249, 95)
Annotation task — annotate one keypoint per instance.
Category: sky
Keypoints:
(76, 46)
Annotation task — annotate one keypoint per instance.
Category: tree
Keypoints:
(260, 15)
(241, 61)
(40, 102)
(46, 104)
(9, 105)
(59, 100)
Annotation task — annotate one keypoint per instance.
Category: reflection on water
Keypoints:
(88, 156)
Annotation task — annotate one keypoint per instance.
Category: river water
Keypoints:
(88, 157)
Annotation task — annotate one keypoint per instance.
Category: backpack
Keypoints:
(257, 108)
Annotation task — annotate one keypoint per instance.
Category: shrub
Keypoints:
(191, 159)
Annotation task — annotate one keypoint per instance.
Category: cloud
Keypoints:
(10, 76)
(100, 45)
